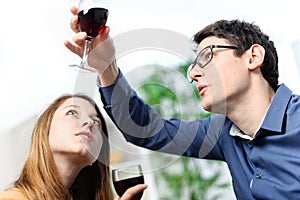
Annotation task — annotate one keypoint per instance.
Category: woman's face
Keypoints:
(75, 131)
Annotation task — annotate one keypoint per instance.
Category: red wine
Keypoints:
(92, 21)
(122, 185)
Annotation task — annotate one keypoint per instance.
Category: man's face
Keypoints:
(222, 79)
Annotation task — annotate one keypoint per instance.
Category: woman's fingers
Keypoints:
(131, 192)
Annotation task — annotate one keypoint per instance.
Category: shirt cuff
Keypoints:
(106, 91)
(100, 86)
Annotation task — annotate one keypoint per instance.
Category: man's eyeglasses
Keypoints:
(204, 57)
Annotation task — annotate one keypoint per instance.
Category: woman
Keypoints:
(69, 155)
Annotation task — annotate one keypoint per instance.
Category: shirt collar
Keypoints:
(235, 131)
(274, 117)
(275, 114)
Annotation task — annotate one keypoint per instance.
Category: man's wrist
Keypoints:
(109, 76)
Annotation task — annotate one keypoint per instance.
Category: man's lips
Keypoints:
(201, 89)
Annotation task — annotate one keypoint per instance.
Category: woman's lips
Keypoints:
(84, 134)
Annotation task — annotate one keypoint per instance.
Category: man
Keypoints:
(256, 129)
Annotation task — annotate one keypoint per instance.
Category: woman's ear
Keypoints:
(256, 56)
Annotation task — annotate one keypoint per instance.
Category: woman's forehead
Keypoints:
(77, 102)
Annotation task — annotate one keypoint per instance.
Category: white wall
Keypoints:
(14, 146)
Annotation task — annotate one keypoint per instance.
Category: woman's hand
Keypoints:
(131, 192)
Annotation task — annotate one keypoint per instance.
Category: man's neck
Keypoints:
(248, 113)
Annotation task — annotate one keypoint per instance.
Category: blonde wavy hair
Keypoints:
(39, 178)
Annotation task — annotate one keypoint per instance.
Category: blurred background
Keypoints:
(34, 71)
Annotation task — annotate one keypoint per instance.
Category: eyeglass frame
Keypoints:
(197, 63)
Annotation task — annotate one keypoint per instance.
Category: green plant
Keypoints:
(185, 178)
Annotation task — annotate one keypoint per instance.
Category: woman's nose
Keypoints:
(87, 122)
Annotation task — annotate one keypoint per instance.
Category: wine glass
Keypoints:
(126, 177)
(92, 17)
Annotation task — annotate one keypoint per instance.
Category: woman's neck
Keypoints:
(67, 169)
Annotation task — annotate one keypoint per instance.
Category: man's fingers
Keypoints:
(74, 10)
(74, 20)
(105, 33)
(79, 38)
(74, 24)
(75, 49)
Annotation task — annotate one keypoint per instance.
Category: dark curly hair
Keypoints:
(244, 35)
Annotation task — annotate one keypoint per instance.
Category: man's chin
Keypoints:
(217, 108)
(206, 106)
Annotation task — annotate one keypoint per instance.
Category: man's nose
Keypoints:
(196, 73)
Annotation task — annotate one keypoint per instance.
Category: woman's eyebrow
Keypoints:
(77, 106)
(95, 115)
(72, 105)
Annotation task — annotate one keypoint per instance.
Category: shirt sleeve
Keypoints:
(142, 125)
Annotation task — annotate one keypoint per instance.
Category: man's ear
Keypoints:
(256, 56)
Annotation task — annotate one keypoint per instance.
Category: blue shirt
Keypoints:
(267, 167)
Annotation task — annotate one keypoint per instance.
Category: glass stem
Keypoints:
(85, 52)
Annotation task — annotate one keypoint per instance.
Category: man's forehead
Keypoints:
(212, 40)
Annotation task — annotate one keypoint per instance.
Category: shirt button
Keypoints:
(258, 176)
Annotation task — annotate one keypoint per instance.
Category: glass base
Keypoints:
(84, 68)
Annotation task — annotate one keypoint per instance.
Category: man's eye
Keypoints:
(72, 112)
(208, 56)
(204, 56)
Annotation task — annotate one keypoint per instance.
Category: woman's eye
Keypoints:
(97, 122)
(72, 112)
